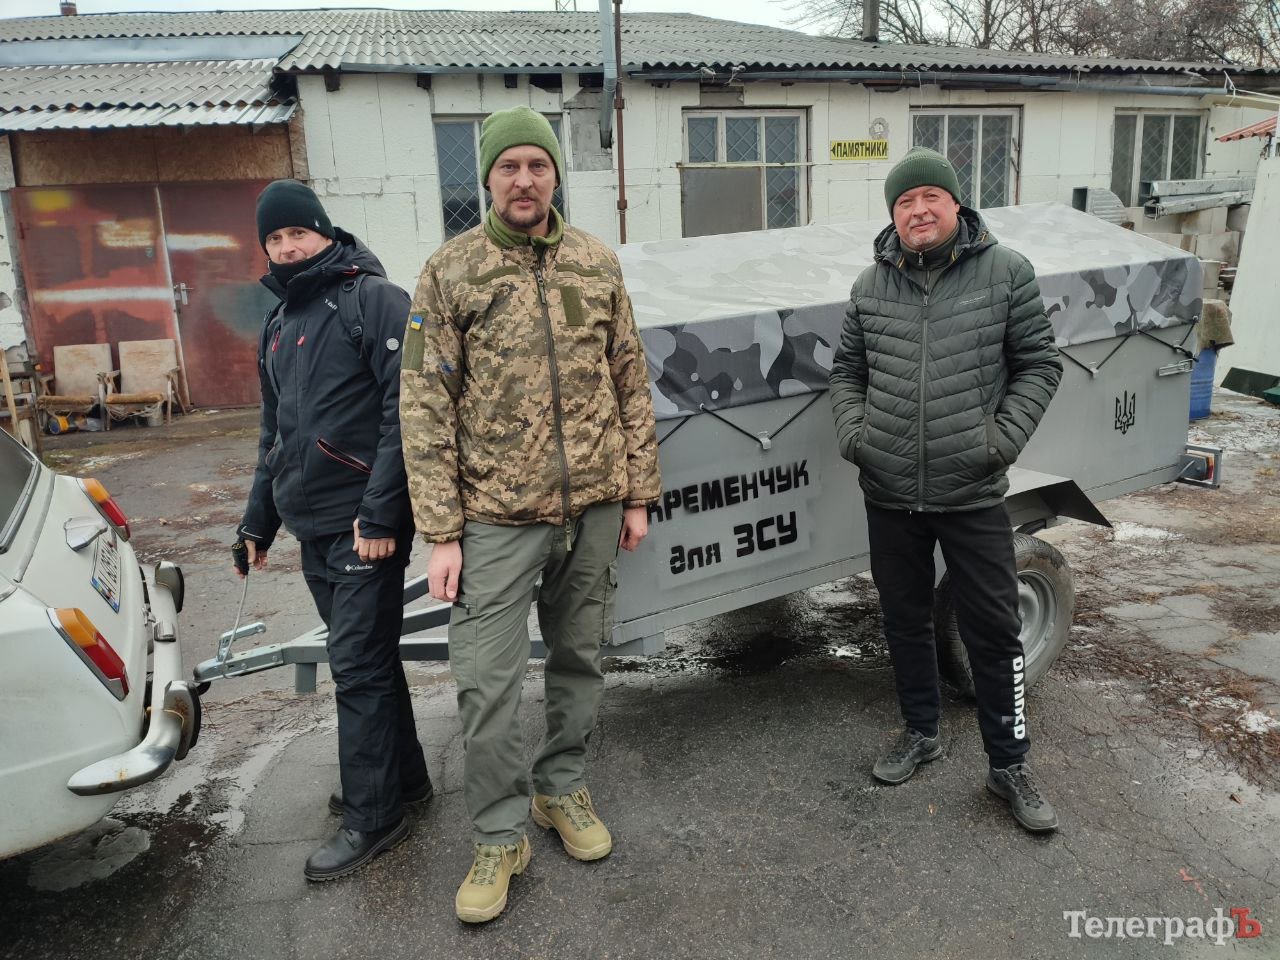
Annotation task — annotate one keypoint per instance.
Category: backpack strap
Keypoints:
(349, 311)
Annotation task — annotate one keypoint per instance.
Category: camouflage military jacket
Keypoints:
(524, 391)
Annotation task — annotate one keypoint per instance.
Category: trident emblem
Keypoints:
(1126, 412)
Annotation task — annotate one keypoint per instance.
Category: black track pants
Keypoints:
(977, 546)
(362, 603)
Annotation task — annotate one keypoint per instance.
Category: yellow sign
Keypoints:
(859, 149)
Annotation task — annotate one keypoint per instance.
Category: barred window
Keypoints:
(981, 144)
(1154, 146)
(743, 170)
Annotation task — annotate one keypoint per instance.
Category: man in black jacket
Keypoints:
(946, 365)
(330, 468)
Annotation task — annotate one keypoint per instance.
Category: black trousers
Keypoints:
(978, 548)
(362, 604)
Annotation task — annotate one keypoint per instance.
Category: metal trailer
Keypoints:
(740, 331)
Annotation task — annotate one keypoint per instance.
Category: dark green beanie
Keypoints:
(921, 167)
(516, 128)
(288, 203)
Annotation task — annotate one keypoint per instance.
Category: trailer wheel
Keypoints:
(1046, 601)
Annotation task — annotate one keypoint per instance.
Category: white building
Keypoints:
(726, 126)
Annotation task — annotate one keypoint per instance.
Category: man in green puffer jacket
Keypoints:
(946, 365)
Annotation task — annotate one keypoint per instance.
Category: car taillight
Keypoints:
(107, 506)
(92, 647)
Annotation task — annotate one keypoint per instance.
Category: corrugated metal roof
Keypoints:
(140, 94)
(1263, 128)
(441, 39)
(112, 117)
(136, 84)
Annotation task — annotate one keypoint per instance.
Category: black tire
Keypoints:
(1046, 603)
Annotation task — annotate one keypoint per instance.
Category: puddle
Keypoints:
(93, 854)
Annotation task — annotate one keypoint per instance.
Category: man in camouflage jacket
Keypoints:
(529, 442)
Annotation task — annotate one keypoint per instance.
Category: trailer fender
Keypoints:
(1042, 496)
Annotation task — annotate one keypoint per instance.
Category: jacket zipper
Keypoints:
(924, 360)
(297, 412)
(555, 397)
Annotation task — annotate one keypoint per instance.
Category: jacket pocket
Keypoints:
(860, 440)
(346, 459)
(994, 460)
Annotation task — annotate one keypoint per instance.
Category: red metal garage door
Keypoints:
(215, 261)
(94, 263)
(139, 262)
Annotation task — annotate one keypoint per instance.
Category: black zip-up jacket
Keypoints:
(329, 450)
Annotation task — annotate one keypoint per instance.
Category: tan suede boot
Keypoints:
(574, 817)
(483, 895)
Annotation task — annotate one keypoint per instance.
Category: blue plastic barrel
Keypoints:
(1202, 383)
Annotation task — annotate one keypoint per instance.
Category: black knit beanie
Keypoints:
(288, 203)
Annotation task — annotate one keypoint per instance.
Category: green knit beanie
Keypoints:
(288, 203)
(515, 128)
(921, 167)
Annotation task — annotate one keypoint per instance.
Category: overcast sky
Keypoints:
(774, 13)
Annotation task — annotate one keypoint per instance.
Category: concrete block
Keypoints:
(1212, 268)
(355, 117)
(1238, 216)
(1076, 156)
(427, 204)
(316, 128)
(1213, 220)
(406, 117)
(363, 186)
(1146, 225)
(456, 94)
(1172, 239)
(391, 229)
(1041, 147)
(1218, 246)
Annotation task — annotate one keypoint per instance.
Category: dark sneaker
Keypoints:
(912, 749)
(1029, 806)
(419, 794)
(349, 850)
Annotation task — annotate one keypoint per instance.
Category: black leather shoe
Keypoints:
(349, 850)
(418, 794)
(912, 749)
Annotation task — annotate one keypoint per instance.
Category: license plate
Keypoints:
(106, 571)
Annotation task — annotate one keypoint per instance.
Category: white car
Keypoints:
(93, 699)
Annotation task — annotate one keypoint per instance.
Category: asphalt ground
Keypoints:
(734, 771)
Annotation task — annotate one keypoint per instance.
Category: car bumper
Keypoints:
(174, 709)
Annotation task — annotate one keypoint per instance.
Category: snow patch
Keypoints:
(1255, 721)
(1126, 532)
(107, 459)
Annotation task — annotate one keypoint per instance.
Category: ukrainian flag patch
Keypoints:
(415, 322)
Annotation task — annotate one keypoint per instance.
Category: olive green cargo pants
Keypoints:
(489, 653)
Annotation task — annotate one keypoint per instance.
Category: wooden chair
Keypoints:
(76, 379)
(149, 379)
(19, 387)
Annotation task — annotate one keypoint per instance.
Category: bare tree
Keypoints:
(901, 21)
(1246, 31)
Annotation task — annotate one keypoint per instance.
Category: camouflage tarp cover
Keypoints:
(741, 318)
